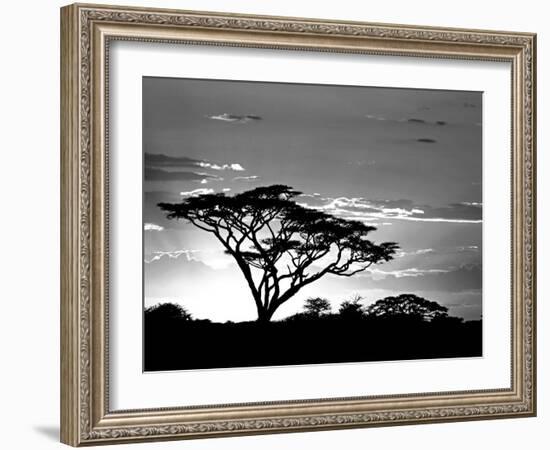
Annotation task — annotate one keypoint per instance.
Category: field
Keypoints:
(175, 343)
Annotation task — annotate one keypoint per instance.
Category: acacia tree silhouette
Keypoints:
(316, 306)
(407, 305)
(265, 229)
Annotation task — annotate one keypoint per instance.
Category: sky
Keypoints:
(406, 161)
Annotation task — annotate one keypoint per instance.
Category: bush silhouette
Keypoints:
(316, 306)
(408, 306)
(352, 309)
(162, 311)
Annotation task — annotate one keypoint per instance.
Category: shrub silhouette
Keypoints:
(275, 241)
(163, 311)
(316, 306)
(352, 309)
(407, 306)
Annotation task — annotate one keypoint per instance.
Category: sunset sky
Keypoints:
(406, 161)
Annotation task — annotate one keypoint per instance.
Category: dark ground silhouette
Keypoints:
(174, 341)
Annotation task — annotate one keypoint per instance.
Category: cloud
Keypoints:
(156, 256)
(226, 189)
(468, 248)
(442, 251)
(152, 227)
(162, 162)
(233, 166)
(471, 203)
(250, 178)
(426, 122)
(411, 272)
(459, 212)
(197, 192)
(375, 117)
(421, 251)
(211, 259)
(359, 208)
(407, 120)
(445, 279)
(440, 257)
(152, 174)
(234, 118)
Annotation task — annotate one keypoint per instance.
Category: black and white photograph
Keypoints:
(288, 224)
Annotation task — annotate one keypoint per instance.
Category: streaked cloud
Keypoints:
(376, 117)
(416, 120)
(159, 167)
(450, 279)
(471, 203)
(359, 208)
(468, 248)
(249, 178)
(412, 272)
(152, 174)
(152, 227)
(420, 251)
(234, 118)
(153, 160)
(161, 160)
(197, 192)
(234, 166)
(157, 256)
(214, 259)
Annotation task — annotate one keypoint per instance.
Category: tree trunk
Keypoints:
(264, 315)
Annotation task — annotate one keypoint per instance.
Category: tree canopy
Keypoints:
(280, 246)
(352, 309)
(316, 306)
(407, 305)
(163, 311)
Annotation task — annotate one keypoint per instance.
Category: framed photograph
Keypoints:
(273, 224)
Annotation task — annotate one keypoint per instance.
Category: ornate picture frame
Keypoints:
(87, 32)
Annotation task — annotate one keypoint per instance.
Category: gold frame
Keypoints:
(86, 31)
